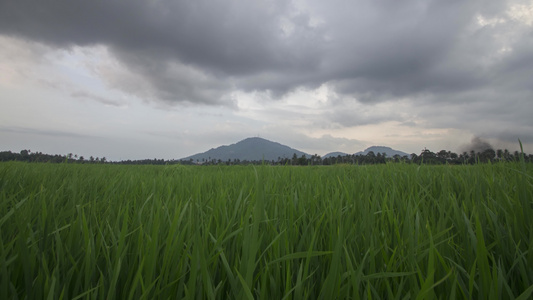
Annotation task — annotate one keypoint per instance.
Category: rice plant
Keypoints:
(394, 231)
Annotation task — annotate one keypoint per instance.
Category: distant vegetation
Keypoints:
(370, 158)
(388, 231)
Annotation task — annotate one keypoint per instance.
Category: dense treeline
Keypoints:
(28, 156)
(425, 157)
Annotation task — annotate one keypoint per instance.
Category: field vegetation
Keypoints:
(388, 231)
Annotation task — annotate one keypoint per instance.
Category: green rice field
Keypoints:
(393, 231)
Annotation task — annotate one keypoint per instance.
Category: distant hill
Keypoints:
(381, 149)
(248, 149)
(334, 154)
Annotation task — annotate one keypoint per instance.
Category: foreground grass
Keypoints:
(389, 231)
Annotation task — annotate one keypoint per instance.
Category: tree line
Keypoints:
(28, 156)
(425, 157)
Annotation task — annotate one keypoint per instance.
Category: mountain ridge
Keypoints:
(334, 154)
(382, 149)
(251, 149)
(256, 149)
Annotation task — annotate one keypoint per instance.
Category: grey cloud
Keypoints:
(356, 117)
(222, 41)
(391, 51)
(90, 96)
(46, 132)
(483, 111)
(167, 81)
(436, 49)
(373, 51)
(232, 38)
(523, 134)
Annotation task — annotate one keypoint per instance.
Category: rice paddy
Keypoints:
(393, 231)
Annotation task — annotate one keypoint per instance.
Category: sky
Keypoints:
(170, 78)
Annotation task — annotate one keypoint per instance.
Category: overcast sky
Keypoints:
(168, 79)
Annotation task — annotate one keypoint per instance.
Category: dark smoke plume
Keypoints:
(477, 144)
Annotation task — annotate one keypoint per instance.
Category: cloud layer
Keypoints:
(373, 50)
(437, 64)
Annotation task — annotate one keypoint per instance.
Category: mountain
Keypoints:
(381, 149)
(248, 149)
(335, 154)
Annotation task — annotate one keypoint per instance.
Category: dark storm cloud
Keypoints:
(372, 51)
(411, 49)
(215, 40)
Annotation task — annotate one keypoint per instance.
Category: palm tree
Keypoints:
(506, 154)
